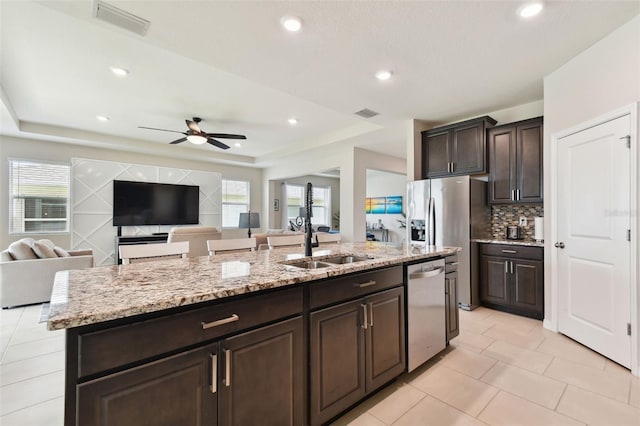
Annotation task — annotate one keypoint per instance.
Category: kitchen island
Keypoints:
(233, 338)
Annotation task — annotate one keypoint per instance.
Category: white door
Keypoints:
(592, 222)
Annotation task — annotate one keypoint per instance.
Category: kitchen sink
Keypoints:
(309, 264)
(340, 260)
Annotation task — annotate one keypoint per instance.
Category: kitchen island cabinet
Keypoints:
(225, 339)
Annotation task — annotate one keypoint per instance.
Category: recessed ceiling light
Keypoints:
(291, 23)
(530, 10)
(238, 145)
(293, 121)
(120, 72)
(383, 75)
(102, 118)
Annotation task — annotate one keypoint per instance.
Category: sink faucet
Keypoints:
(307, 220)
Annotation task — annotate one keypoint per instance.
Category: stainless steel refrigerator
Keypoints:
(451, 212)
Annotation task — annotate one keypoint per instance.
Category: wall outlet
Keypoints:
(523, 221)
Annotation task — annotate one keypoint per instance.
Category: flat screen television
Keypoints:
(142, 203)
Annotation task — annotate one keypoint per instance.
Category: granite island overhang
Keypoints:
(104, 293)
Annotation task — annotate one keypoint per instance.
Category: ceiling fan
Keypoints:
(196, 136)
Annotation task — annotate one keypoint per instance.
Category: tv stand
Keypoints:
(121, 240)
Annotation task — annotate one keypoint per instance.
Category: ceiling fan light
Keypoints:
(291, 23)
(196, 139)
(530, 10)
(120, 72)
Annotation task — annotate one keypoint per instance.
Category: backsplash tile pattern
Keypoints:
(503, 215)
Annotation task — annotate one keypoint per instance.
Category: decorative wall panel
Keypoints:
(92, 201)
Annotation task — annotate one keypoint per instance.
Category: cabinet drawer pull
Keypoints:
(510, 251)
(367, 284)
(426, 274)
(214, 373)
(222, 321)
(227, 367)
(365, 320)
(452, 264)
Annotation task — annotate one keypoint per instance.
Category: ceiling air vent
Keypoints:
(120, 18)
(366, 113)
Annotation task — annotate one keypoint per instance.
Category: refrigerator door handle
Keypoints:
(431, 239)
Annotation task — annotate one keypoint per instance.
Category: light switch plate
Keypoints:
(523, 221)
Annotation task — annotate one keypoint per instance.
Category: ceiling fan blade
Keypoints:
(217, 143)
(178, 141)
(193, 126)
(226, 136)
(162, 130)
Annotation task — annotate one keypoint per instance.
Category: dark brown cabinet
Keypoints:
(456, 149)
(512, 279)
(452, 318)
(356, 346)
(515, 162)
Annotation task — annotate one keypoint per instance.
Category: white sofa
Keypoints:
(28, 281)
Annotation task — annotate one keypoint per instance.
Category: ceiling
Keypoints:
(232, 64)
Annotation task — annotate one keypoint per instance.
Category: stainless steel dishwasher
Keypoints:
(426, 312)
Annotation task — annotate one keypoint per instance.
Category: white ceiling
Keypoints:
(232, 64)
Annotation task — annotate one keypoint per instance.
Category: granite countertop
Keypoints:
(530, 243)
(89, 296)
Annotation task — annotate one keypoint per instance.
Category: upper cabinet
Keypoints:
(515, 162)
(456, 149)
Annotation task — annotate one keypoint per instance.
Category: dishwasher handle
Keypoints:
(426, 274)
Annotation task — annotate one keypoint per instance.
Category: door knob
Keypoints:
(559, 245)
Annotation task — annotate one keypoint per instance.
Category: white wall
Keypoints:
(11, 147)
(383, 184)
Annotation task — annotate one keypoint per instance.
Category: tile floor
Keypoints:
(501, 370)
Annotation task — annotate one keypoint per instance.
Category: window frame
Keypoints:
(11, 197)
(223, 203)
(326, 206)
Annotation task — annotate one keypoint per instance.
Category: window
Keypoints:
(235, 200)
(321, 203)
(39, 197)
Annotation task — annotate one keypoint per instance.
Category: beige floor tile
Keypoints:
(531, 386)
(509, 410)
(518, 356)
(634, 395)
(363, 419)
(32, 349)
(477, 314)
(394, 401)
(615, 367)
(30, 316)
(596, 409)
(468, 362)
(476, 326)
(49, 413)
(430, 411)
(474, 341)
(515, 335)
(611, 384)
(29, 368)
(39, 332)
(572, 351)
(10, 316)
(522, 323)
(18, 396)
(456, 389)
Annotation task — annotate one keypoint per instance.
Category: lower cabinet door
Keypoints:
(173, 391)
(528, 286)
(337, 359)
(262, 376)
(494, 280)
(385, 342)
(451, 305)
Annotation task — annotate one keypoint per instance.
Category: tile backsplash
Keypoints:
(503, 215)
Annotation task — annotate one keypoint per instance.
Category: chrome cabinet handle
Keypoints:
(365, 320)
(453, 167)
(517, 194)
(511, 263)
(452, 264)
(506, 266)
(227, 367)
(513, 195)
(370, 314)
(211, 324)
(559, 245)
(365, 284)
(509, 251)
(426, 274)
(214, 373)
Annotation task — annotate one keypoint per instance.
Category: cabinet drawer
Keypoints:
(110, 348)
(344, 288)
(510, 250)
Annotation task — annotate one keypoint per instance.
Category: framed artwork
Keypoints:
(367, 203)
(276, 205)
(378, 205)
(394, 205)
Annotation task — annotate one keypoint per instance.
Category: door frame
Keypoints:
(634, 273)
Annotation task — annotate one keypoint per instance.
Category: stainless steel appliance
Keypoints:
(451, 212)
(514, 232)
(426, 312)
